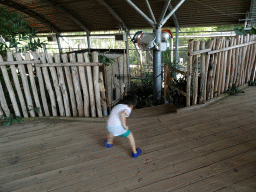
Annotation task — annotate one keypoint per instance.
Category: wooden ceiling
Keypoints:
(95, 15)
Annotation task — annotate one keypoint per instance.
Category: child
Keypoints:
(116, 124)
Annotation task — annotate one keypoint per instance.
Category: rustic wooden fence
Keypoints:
(225, 62)
(60, 86)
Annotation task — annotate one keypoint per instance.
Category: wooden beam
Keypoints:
(18, 62)
(177, 70)
(68, 64)
(199, 52)
(33, 14)
(182, 92)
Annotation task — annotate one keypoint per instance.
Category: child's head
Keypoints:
(130, 100)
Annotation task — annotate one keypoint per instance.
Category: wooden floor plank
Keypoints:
(247, 185)
(207, 149)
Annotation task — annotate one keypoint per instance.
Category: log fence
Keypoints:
(225, 62)
(62, 85)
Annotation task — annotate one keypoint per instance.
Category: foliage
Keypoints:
(7, 121)
(252, 83)
(14, 31)
(233, 90)
(176, 97)
(103, 59)
(242, 31)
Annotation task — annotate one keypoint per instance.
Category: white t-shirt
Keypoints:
(114, 124)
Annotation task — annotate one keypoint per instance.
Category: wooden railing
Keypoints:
(222, 64)
(55, 88)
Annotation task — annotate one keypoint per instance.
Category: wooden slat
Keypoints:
(202, 51)
(96, 84)
(203, 75)
(224, 75)
(239, 61)
(77, 89)
(249, 61)
(218, 69)
(222, 68)
(17, 86)
(243, 60)
(41, 86)
(56, 85)
(189, 72)
(207, 61)
(84, 86)
(48, 85)
(177, 70)
(247, 58)
(62, 86)
(103, 95)
(24, 79)
(182, 92)
(3, 103)
(33, 84)
(229, 64)
(68, 64)
(90, 85)
(233, 64)
(195, 73)
(70, 86)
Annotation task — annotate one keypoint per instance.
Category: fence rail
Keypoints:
(225, 62)
(68, 88)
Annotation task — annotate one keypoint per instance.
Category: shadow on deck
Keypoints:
(208, 149)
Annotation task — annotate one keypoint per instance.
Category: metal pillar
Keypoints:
(59, 44)
(88, 41)
(127, 59)
(157, 72)
(177, 45)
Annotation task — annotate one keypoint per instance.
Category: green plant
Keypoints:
(242, 31)
(14, 31)
(103, 59)
(252, 83)
(7, 121)
(233, 90)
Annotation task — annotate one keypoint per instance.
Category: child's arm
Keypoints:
(123, 119)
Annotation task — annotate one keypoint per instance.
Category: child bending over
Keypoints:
(117, 126)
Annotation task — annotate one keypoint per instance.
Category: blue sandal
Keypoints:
(106, 144)
(134, 155)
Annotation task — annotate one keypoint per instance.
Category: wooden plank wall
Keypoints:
(53, 85)
(224, 62)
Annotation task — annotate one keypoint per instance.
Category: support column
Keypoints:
(157, 67)
(88, 41)
(59, 44)
(128, 59)
(177, 45)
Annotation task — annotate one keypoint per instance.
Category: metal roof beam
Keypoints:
(167, 3)
(170, 14)
(32, 14)
(113, 13)
(152, 23)
(69, 15)
(151, 12)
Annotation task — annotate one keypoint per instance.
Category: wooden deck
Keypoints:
(204, 150)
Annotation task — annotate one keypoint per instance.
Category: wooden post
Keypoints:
(33, 84)
(203, 76)
(207, 60)
(96, 83)
(70, 86)
(80, 58)
(3, 102)
(248, 74)
(62, 85)
(10, 90)
(222, 66)
(243, 60)
(56, 85)
(17, 85)
(195, 73)
(165, 81)
(247, 58)
(103, 95)
(75, 76)
(41, 85)
(224, 76)
(189, 71)
(90, 84)
(233, 64)
(239, 59)
(215, 62)
(48, 85)
(24, 79)
(253, 65)
(229, 65)
(218, 69)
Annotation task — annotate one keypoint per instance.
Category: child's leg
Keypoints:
(110, 138)
(132, 142)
